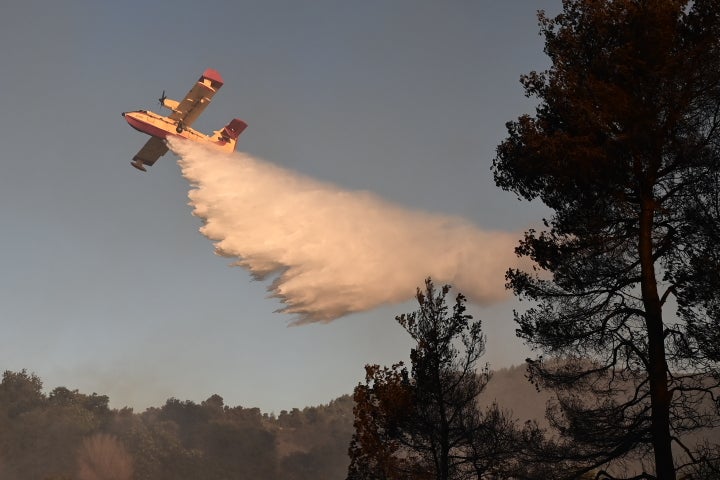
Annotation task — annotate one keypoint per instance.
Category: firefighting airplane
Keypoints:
(178, 123)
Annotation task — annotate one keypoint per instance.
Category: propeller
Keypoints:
(162, 99)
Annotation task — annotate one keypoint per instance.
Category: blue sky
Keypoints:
(106, 284)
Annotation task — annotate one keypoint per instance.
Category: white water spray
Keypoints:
(335, 251)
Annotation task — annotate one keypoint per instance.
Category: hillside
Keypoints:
(68, 435)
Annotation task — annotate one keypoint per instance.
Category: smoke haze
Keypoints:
(332, 251)
(103, 457)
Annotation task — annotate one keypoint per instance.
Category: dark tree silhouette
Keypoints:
(427, 423)
(382, 405)
(625, 149)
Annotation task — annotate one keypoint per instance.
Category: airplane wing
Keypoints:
(198, 98)
(149, 153)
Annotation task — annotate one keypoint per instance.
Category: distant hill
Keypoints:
(68, 435)
(56, 436)
(512, 391)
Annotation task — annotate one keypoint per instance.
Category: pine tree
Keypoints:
(624, 147)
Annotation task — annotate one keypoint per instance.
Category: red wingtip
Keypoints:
(213, 76)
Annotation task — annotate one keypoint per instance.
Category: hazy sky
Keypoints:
(106, 285)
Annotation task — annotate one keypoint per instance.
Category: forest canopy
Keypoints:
(65, 434)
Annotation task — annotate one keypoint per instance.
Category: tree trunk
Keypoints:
(444, 429)
(657, 370)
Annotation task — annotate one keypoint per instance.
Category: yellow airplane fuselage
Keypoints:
(163, 127)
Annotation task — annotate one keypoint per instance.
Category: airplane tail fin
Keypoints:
(230, 133)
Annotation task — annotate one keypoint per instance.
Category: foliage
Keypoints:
(382, 405)
(69, 435)
(625, 149)
(427, 423)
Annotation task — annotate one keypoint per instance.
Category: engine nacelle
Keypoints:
(170, 104)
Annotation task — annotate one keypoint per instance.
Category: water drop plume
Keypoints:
(334, 251)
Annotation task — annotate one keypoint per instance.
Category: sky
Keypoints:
(107, 284)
